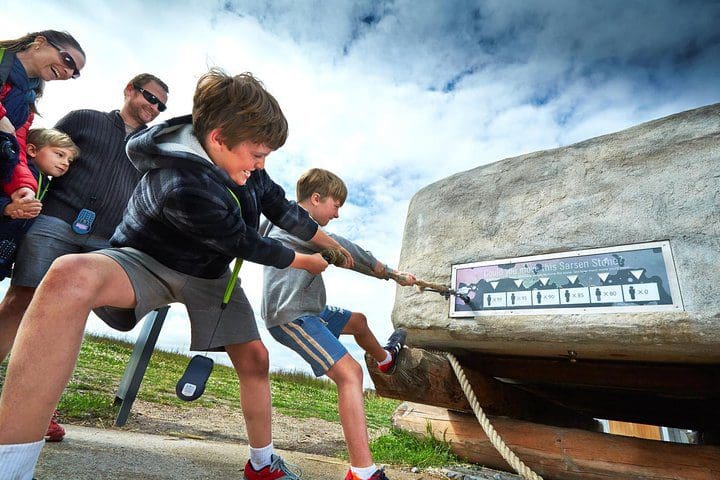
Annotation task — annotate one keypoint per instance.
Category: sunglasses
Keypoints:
(152, 99)
(67, 60)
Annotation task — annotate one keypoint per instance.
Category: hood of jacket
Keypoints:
(172, 144)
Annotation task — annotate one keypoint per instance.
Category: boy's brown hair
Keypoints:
(240, 107)
(324, 182)
(50, 137)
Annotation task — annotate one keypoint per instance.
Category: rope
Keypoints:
(422, 285)
(497, 442)
(335, 257)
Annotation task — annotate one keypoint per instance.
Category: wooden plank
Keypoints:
(638, 430)
(562, 453)
(427, 377)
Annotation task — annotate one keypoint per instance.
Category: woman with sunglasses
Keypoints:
(26, 63)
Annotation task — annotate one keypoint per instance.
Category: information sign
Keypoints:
(626, 278)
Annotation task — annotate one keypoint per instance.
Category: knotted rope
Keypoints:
(335, 257)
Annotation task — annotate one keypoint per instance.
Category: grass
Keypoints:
(401, 448)
(90, 394)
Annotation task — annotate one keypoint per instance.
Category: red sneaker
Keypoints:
(394, 346)
(378, 475)
(277, 470)
(55, 431)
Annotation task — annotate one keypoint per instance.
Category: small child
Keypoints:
(49, 153)
(297, 316)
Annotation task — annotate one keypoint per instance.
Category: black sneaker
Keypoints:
(394, 346)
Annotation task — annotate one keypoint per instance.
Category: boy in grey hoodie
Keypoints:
(296, 314)
(195, 209)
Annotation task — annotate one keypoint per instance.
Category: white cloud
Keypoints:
(395, 95)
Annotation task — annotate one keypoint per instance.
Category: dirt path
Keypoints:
(89, 453)
(165, 442)
(222, 423)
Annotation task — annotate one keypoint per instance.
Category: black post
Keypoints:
(135, 369)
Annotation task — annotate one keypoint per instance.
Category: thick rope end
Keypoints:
(333, 256)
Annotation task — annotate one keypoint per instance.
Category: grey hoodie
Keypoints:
(291, 293)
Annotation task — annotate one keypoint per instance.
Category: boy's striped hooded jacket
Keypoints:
(182, 214)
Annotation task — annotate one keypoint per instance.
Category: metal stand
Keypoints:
(135, 370)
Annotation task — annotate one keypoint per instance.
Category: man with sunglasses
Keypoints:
(82, 208)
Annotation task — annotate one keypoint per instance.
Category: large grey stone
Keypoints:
(655, 181)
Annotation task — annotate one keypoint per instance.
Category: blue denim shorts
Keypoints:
(315, 338)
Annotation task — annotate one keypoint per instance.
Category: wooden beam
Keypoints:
(420, 374)
(427, 377)
(562, 453)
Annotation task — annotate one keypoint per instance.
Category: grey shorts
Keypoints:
(48, 239)
(156, 285)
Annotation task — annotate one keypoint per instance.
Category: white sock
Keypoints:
(365, 472)
(388, 358)
(17, 461)
(260, 457)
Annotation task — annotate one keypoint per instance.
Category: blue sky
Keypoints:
(395, 95)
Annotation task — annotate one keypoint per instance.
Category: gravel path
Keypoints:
(162, 442)
(109, 454)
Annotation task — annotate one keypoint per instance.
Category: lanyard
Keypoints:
(40, 194)
(236, 269)
(41, 191)
(192, 384)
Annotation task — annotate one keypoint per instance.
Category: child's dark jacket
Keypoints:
(182, 214)
(14, 230)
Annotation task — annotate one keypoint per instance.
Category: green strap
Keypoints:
(232, 281)
(41, 191)
(236, 199)
(236, 269)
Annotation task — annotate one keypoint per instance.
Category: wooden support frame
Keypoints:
(632, 406)
(562, 453)
(561, 393)
(692, 380)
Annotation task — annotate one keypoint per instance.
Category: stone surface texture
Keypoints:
(652, 182)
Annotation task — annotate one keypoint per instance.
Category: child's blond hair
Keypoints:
(324, 182)
(50, 137)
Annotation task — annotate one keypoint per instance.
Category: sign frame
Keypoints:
(457, 308)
